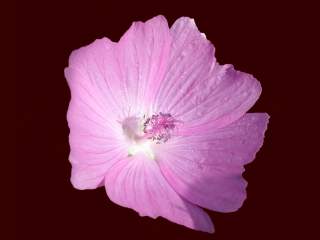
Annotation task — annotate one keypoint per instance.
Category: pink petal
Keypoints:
(91, 78)
(191, 58)
(142, 54)
(86, 176)
(94, 139)
(196, 89)
(108, 82)
(206, 167)
(137, 183)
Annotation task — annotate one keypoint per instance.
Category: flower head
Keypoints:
(156, 120)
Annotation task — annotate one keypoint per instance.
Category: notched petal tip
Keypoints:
(267, 117)
(157, 20)
(186, 19)
(79, 55)
(261, 121)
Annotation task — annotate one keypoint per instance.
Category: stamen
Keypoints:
(159, 127)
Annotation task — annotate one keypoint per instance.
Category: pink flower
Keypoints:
(157, 121)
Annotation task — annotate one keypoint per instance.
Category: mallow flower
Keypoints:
(157, 121)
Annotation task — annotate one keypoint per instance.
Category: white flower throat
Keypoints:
(143, 133)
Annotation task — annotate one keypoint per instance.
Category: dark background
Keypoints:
(269, 40)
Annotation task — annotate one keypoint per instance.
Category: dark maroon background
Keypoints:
(267, 40)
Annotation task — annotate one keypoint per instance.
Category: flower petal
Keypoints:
(143, 54)
(94, 139)
(196, 89)
(85, 176)
(191, 58)
(205, 168)
(107, 82)
(228, 95)
(137, 183)
(91, 76)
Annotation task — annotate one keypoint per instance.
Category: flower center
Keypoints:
(143, 133)
(159, 127)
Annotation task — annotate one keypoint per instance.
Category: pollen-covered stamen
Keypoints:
(159, 127)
